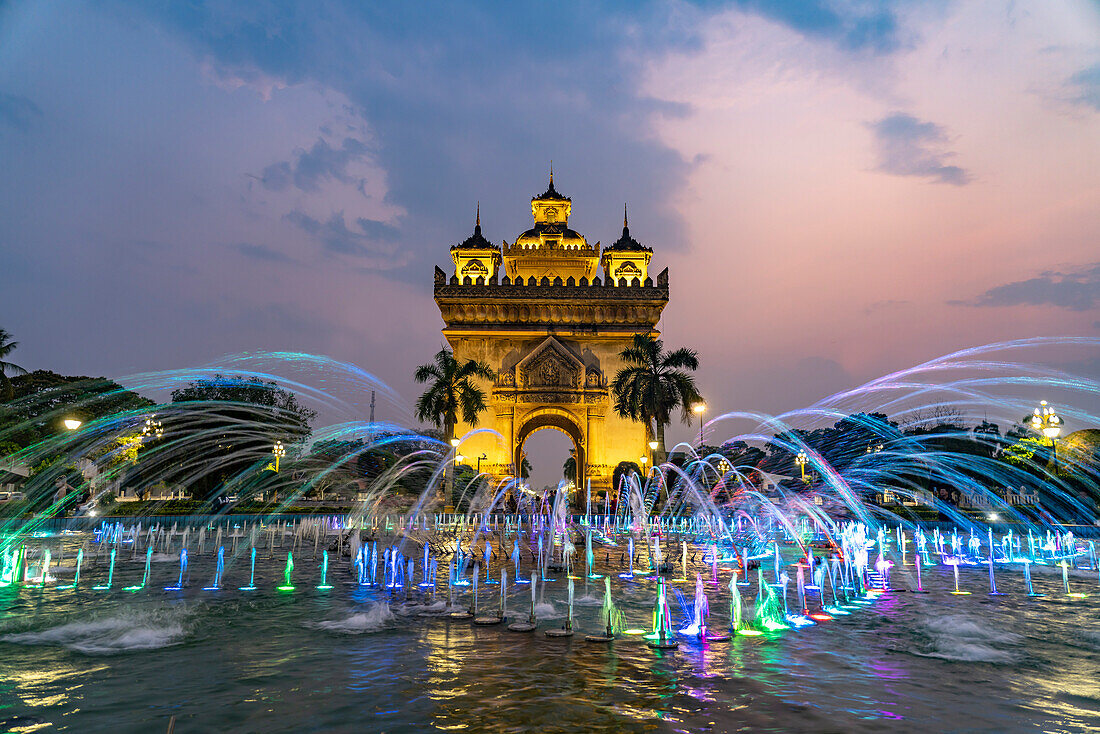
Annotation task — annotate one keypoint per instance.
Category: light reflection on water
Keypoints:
(260, 662)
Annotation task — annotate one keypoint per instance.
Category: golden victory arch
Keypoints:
(550, 313)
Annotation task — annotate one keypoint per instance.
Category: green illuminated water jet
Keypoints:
(287, 586)
(110, 574)
(145, 575)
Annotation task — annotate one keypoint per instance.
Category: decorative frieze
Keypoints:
(634, 315)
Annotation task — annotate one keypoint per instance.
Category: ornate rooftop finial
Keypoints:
(626, 242)
(551, 192)
(476, 241)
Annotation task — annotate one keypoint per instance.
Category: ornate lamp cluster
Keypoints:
(279, 451)
(152, 427)
(1045, 421)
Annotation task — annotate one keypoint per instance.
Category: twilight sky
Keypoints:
(840, 189)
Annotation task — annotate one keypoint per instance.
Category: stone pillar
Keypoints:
(506, 428)
(596, 450)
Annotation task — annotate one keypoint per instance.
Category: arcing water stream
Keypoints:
(741, 603)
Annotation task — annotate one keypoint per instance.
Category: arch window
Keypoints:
(475, 268)
(628, 270)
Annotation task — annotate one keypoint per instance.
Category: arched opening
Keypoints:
(546, 450)
(562, 423)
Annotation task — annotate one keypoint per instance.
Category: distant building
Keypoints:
(12, 476)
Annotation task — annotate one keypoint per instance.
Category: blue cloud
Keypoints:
(376, 230)
(468, 103)
(371, 239)
(18, 112)
(310, 168)
(464, 103)
(1085, 86)
(910, 147)
(262, 252)
(1076, 291)
(855, 28)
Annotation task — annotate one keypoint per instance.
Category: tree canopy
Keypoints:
(219, 430)
(7, 369)
(42, 399)
(654, 383)
(452, 391)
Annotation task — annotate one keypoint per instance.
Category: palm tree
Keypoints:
(452, 393)
(653, 384)
(525, 469)
(7, 346)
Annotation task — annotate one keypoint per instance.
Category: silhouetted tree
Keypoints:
(653, 384)
(7, 346)
(452, 392)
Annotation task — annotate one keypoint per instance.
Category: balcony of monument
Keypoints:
(536, 316)
(546, 287)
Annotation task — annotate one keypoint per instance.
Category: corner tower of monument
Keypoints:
(550, 314)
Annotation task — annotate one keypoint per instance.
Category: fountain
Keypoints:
(110, 574)
(251, 573)
(531, 624)
(497, 618)
(919, 563)
(145, 574)
(662, 637)
(287, 585)
(216, 584)
(629, 573)
(611, 615)
(471, 612)
(839, 560)
(324, 585)
(76, 573)
(953, 561)
(566, 629)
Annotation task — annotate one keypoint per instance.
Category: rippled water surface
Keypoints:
(347, 659)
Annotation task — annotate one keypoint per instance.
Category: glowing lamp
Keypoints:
(72, 423)
(652, 445)
(455, 442)
(1046, 421)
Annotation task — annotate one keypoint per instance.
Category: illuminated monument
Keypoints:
(550, 314)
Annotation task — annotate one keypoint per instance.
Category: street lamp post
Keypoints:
(279, 451)
(653, 452)
(801, 460)
(1046, 421)
(71, 424)
(700, 408)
